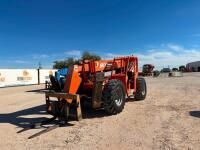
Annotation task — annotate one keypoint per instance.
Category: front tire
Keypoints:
(113, 96)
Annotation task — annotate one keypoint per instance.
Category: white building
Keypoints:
(194, 66)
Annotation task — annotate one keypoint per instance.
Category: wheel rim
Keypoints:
(119, 98)
(143, 93)
(118, 101)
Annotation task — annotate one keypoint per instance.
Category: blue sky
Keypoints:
(162, 32)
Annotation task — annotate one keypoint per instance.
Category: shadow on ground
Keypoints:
(195, 114)
(89, 113)
(37, 91)
(22, 118)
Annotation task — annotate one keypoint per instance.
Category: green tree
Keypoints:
(59, 64)
(71, 61)
(88, 56)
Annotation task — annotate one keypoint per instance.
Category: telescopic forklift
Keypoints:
(105, 84)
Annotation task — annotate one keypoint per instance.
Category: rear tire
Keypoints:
(141, 89)
(113, 96)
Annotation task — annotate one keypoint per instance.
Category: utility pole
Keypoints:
(39, 67)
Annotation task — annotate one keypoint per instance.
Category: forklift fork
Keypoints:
(62, 112)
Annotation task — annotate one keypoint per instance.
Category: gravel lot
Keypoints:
(168, 119)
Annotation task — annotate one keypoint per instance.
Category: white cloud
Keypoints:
(167, 58)
(21, 62)
(174, 47)
(172, 56)
(161, 54)
(37, 56)
(151, 50)
(112, 55)
(73, 53)
(170, 46)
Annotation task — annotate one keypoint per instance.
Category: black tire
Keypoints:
(141, 89)
(113, 96)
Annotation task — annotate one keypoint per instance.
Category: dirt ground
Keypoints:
(168, 119)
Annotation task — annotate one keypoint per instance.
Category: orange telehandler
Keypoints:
(104, 83)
